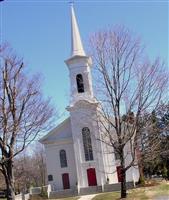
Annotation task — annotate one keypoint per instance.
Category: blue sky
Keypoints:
(39, 31)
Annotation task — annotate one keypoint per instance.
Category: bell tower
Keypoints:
(83, 111)
(79, 66)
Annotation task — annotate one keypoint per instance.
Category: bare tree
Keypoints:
(40, 162)
(128, 85)
(23, 114)
(30, 168)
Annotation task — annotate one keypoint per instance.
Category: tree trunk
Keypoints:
(9, 179)
(123, 175)
(10, 190)
(123, 184)
(140, 167)
(168, 169)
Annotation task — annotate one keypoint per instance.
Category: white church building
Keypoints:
(75, 159)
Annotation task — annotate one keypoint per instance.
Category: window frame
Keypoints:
(87, 144)
(63, 158)
(80, 83)
(50, 177)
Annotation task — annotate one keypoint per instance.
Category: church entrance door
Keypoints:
(91, 175)
(65, 180)
(119, 173)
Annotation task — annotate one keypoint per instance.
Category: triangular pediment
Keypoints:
(62, 132)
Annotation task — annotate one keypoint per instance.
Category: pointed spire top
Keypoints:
(76, 43)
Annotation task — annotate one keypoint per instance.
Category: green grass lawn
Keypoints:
(70, 198)
(107, 196)
(143, 193)
(116, 196)
(163, 189)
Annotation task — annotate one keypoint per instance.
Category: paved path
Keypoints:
(87, 197)
(162, 197)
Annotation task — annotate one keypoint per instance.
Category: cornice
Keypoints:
(74, 61)
(58, 142)
(83, 104)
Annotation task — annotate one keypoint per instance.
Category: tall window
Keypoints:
(80, 84)
(63, 159)
(87, 143)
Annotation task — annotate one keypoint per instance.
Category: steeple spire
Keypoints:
(76, 43)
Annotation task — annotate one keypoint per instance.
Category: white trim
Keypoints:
(59, 142)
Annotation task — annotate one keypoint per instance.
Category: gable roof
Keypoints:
(61, 132)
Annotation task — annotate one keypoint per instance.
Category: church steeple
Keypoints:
(79, 65)
(76, 43)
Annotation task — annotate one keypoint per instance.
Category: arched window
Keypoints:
(87, 143)
(80, 84)
(63, 159)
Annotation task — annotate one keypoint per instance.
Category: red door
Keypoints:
(91, 175)
(119, 173)
(65, 180)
